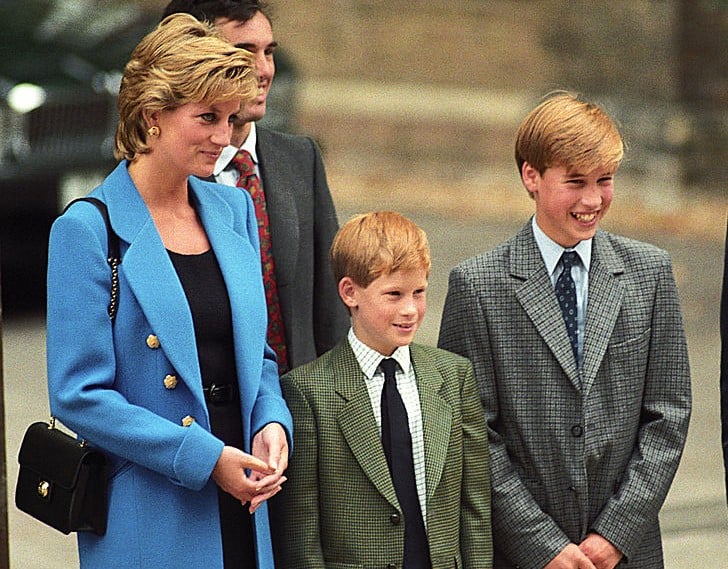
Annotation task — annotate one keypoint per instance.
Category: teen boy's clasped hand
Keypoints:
(600, 552)
(594, 552)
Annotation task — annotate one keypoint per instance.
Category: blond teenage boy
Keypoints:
(581, 364)
(357, 495)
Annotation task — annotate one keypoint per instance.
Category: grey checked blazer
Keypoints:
(339, 509)
(724, 362)
(575, 453)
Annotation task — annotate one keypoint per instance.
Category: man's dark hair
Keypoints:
(211, 10)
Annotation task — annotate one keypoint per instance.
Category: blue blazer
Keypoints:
(134, 388)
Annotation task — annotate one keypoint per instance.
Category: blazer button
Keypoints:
(188, 420)
(170, 382)
(152, 341)
(394, 519)
(577, 431)
(391, 566)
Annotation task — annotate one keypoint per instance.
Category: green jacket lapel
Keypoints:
(357, 421)
(436, 417)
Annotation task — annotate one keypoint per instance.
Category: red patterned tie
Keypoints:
(250, 181)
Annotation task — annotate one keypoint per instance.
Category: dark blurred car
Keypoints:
(60, 67)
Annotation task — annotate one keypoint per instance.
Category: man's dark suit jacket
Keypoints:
(302, 224)
(724, 362)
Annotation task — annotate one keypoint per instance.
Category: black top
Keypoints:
(207, 296)
(209, 303)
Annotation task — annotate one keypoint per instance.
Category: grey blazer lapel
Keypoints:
(278, 185)
(358, 424)
(603, 305)
(526, 263)
(436, 418)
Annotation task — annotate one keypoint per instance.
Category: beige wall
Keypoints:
(411, 81)
(467, 43)
(451, 80)
(501, 44)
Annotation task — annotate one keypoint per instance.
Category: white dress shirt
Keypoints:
(224, 172)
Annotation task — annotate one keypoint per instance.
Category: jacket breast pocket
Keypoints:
(628, 357)
(629, 346)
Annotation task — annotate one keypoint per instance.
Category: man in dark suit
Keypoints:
(301, 217)
(724, 362)
(577, 342)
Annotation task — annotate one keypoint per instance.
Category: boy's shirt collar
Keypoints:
(369, 359)
(551, 251)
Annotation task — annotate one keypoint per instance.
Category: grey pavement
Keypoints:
(695, 517)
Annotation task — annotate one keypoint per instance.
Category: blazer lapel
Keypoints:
(152, 278)
(436, 418)
(239, 262)
(279, 188)
(357, 422)
(526, 264)
(603, 305)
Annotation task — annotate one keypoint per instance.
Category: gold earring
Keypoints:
(153, 131)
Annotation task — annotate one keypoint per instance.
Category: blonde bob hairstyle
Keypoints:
(182, 61)
(565, 131)
(378, 243)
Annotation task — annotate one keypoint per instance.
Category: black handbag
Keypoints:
(62, 481)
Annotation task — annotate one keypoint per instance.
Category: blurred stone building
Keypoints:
(413, 83)
(407, 84)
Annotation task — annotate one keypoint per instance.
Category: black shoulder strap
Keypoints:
(113, 251)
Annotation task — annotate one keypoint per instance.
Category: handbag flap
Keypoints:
(54, 455)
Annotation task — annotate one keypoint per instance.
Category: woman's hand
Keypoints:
(269, 444)
(230, 474)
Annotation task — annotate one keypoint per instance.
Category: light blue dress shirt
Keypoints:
(551, 253)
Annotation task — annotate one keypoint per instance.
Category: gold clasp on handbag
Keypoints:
(44, 489)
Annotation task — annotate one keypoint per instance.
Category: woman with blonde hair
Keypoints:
(180, 390)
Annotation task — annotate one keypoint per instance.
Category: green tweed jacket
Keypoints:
(339, 510)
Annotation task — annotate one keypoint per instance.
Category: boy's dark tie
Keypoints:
(566, 293)
(397, 444)
(250, 181)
